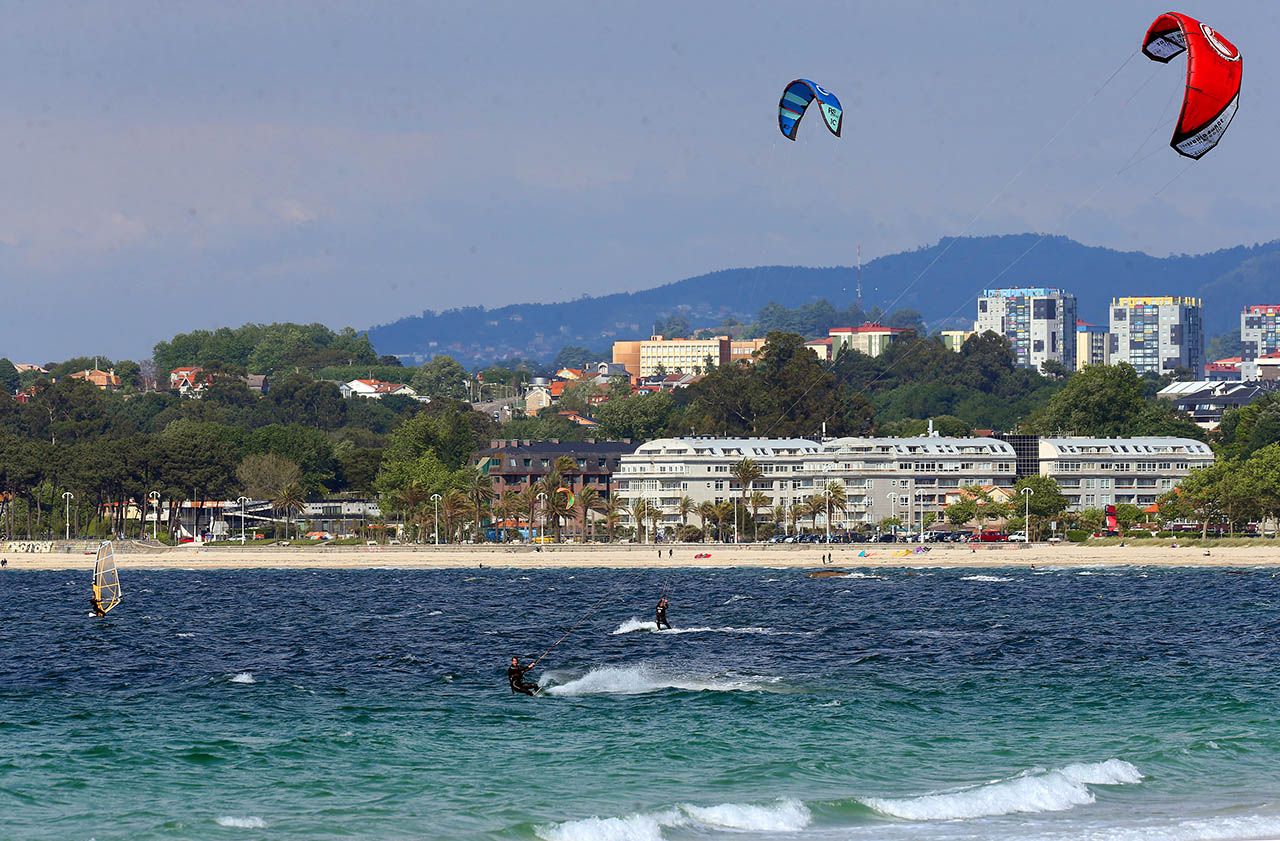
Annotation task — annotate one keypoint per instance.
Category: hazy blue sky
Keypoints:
(175, 165)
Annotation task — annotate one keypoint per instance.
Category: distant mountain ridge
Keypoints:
(1228, 280)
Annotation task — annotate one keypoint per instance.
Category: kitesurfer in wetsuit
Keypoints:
(515, 677)
(660, 614)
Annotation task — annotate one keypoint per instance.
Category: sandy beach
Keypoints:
(685, 555)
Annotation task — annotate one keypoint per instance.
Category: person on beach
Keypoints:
(660, 614)
(515, 677)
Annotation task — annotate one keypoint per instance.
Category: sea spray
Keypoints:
(642, 678)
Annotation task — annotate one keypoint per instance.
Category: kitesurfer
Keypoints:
(660, 614)
(515, 677)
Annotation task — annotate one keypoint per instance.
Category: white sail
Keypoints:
(106, 578)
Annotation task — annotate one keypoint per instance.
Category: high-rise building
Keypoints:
(1093, 345)
(1260, 331)
(1158, 334)
(1040, 323)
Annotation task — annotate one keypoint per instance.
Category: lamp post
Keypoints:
(826, 493)
(435, 504)
(1026, 511)
(893, 503)
(154, 496)
(68, 496)
(242, 500)
(735, 521)
(542, 508)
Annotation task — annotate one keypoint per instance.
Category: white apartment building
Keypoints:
(905, 478)
(1094, 472)
(1040, 323)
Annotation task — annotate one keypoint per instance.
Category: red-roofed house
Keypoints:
(871, 339)
(376, 389)
(102, 379)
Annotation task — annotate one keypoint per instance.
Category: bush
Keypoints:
(1077, 535)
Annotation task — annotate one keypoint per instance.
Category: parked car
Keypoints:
(989, 536)
(1018, 537)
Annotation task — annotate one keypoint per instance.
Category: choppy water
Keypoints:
(908, 704)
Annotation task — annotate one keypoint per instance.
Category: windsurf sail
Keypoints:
(106, 578)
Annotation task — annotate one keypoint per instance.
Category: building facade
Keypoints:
(1040, 323)
(954, 340)
(907, 478)
(515, 465)
(869, 339)
(670, 356)
(1093, 345)
(1259, 331)
(1158, 334)
(1093, 472)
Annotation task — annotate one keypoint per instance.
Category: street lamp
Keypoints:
(154, 496)
(242, 500)
(68, 496)
(1026, 515)
(435, 503)
(735, 521)
(542, 507)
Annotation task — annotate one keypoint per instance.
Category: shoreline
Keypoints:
(633, 557)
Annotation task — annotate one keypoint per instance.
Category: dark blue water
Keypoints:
(371, 704)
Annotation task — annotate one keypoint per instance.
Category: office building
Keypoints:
(954, 339)
(1260, 331)
(1038, 322)
(1157, 335)
(869, 339)
(659, 355)
(1093, 345)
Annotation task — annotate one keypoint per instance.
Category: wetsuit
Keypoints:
(660, 616)
(515, 677)
(97, 607)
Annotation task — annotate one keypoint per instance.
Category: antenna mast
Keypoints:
(859, 275)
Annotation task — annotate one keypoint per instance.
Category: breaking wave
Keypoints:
(241, 677)
(241, 823)
(638, 680)
(991, 578)
(782, 816)
(1032, 791)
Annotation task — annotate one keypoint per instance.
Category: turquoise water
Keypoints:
(912, 704)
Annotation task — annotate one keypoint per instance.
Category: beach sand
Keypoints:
(1265, 553)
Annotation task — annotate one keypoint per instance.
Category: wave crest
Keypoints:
(633, 625)
(1035, 791)
(233, 822)
(783, 816)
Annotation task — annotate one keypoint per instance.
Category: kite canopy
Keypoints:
(796, 98)
(1214, 69)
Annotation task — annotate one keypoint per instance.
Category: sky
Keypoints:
(169, 166)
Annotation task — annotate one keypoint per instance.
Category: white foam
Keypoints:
(860, 575)
(1207, 829)
(783, 816)
(1033, 791)
(241, 677)
(250, 822)
(435, 613)
(633, 624)
(630, 828)
(991, 578)
(637, 680)
(186, 636)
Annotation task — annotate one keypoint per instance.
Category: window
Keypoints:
(719, 485)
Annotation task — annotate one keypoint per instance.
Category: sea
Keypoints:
(1131, 704)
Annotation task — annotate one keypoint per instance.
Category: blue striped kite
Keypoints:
(796, 98)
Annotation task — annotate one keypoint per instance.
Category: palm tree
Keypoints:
(725, 513)
(779, 514)
(588, 500)
(639, 513)
(655, 521)
(798, 511)
(556, 505)
(479, 490)
(817, 504)
(707, 514)
(507, 507)
(745, 472)
(835, 499)
(453, 509)
(613, 508)
(684, 508)
(290, 498)
(529, 504)
(756, 501)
